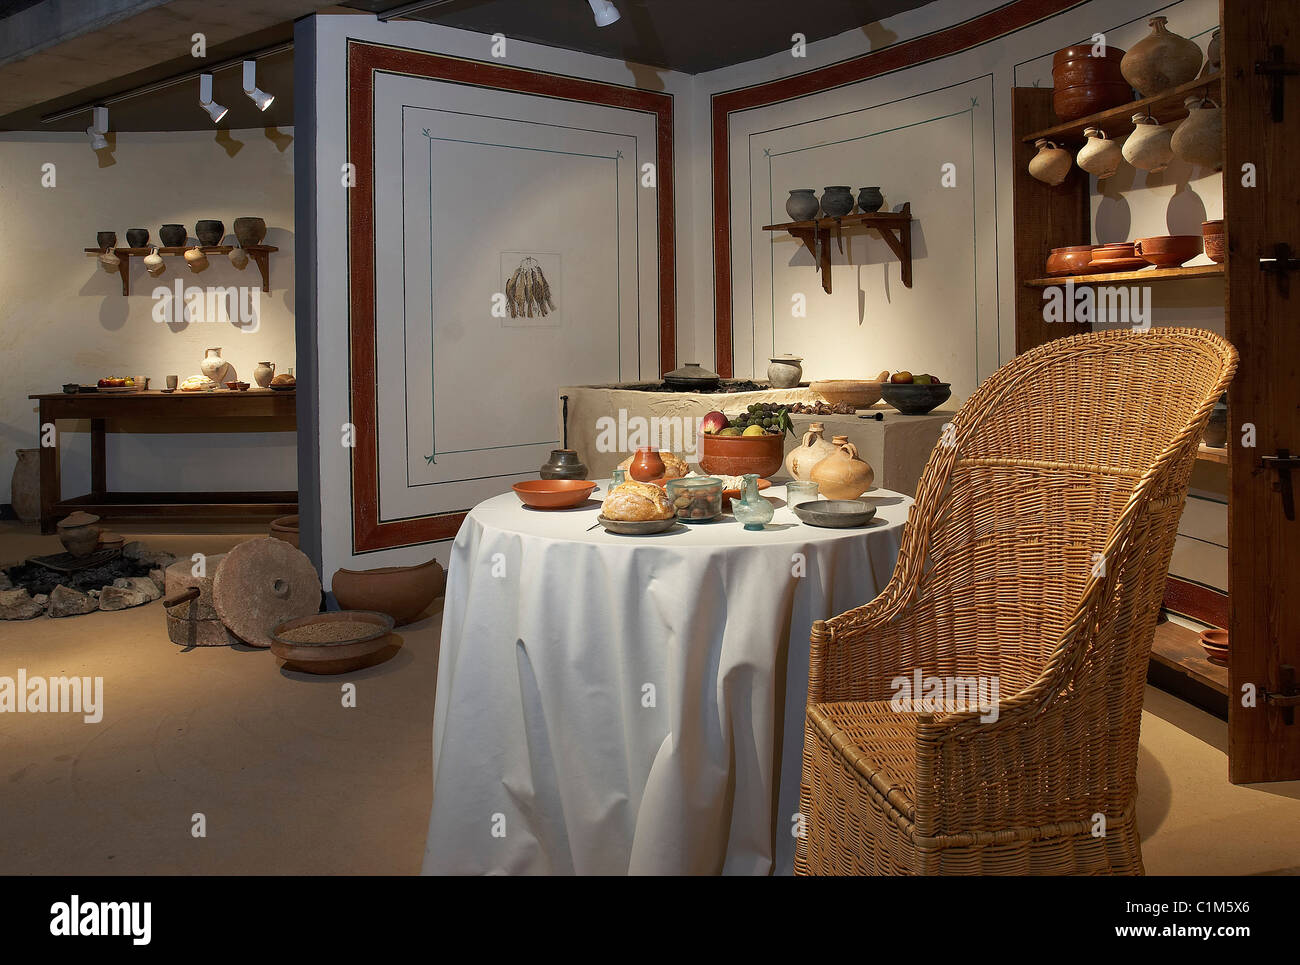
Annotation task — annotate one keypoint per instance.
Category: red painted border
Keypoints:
(1005, 19)
(1201, 603)
(363, 61)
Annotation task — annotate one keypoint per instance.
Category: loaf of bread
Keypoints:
(674, 465)
(635, 501)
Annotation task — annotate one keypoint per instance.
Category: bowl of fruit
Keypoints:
(858, 393)
(916, 394)
(753, 441)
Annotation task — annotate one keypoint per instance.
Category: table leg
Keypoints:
(51, 486)
(98, 462)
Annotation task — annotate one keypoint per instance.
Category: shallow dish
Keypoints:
(554, 493)
(363, 649)
(1215, 644)
(859, 393)
(1108, 265)
(912, 398)
(835, 513)
(237, 386)
(637, 527)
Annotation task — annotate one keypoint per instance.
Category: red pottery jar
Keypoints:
(647, 466)
(1084, 84)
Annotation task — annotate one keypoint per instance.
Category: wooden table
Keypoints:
(206, 409)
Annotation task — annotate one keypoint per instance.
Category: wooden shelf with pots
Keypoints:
(1215, 454)
(1165, 108)
(1142, 274)
(1179, 665)
(259, 254)
(895, 228)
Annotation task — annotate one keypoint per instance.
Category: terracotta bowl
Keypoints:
(1213, 237)
(1215, 644)
(336, 656)
(859, 393)
(285, 528)
(1168, 251)
(403, 592)
(554, 493)
(1072, 260)
(737, 455)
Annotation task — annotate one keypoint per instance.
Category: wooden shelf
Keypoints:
(1212, 454)
(1164, 108)
(259, 254)
(1141, 275)
(895, 228)
(1179, 648)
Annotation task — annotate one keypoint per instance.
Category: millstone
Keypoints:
(260, 584)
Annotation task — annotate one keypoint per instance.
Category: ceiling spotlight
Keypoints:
(606, 13)
(215, 111)
(98, 128)
(261, 98)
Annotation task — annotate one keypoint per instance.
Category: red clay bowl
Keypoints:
(1215, 644)
(1072, 260)
(554, 493)
(737, 455)
(403, 592)
(1168, 251)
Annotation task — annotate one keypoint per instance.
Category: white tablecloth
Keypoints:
(615, 704)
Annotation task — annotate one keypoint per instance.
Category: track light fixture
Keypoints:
(605, 11)
(98, 128)
(261, 98)
(215, 110)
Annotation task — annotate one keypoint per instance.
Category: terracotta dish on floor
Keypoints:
(330, 643)
(403, 592)
(285, 528)
(1168, 251)
(554, 493)
(859, 393)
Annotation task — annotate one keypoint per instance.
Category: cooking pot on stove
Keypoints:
(692, 378)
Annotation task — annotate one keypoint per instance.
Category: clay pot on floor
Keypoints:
(285, 528)
(843, 474)
(79, 533)
(1051, 164)
(1161, 60)
(1148, 146)
(25, 486)
(403, 592)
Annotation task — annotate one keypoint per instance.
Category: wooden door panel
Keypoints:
(1263, 322)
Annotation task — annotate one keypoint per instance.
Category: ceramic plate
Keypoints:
(1108, 265)
(835, 513)
(638, 527)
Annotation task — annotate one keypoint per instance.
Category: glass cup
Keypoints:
(172, 381)
(800, 491)
(619, 477)
(696, 499)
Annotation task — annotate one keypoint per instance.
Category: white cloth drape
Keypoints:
(611, 704)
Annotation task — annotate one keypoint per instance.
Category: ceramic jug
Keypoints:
(563, 464)
(154, 264)
(1100, 155)
(1161, 60)
(239, 258)
(815, 448)
(195, 259)
(843, 474)
(647, 465)
(802, 204)
(1051, 164)
(264, 373)
(213, 365)
(1199, 139)
(1148, 146)
(752, 509)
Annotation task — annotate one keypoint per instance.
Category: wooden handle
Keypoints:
(184, 596)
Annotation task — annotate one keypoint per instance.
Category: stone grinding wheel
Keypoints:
(260, 584)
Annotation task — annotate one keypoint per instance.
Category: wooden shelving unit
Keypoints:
(1164, 107)
(1213, 454)
(1180, 666)
(1141, 275)
(895, 228)
(258, 254)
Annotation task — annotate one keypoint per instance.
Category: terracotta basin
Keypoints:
(1168, 251)
(859, 393)
(554, 493)
(402, 592)
(367, 648)
(737, 455)
(285, 528)
(1073, 260)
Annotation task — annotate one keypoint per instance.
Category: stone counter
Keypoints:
(607, 422)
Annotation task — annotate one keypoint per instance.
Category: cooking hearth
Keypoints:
(60, 585)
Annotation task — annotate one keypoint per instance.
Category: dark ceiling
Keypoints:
(684, 35)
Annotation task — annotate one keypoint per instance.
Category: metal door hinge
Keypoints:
(1282, 464)
(1289, 698)
(1277, 71)
(1281, 264)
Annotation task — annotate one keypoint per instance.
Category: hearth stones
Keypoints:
(67, 602)
(18, 605)
(262, 583)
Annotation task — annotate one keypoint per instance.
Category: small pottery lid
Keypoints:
(692, 372)
(78, 519)
(787, 357)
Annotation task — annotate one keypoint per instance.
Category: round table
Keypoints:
(619, 704)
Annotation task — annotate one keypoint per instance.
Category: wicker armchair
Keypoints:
(1035, 555)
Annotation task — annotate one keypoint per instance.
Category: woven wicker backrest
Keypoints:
(1024, 493)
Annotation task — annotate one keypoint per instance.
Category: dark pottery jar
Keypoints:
(209, 232)
(249, 231)
(173, 235)
(137, 237)
(802, 204)
(870, 199)
(563, 464)
(105, 239)
(837, 200)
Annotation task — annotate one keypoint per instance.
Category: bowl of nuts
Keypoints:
(695, 499)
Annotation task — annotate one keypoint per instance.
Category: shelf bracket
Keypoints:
(818, 242)
(1277, 71)
(1282, 464)
(901, 245)
(263, 259)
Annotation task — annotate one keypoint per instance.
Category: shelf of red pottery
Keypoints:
(1115, 121)
(1141, 275)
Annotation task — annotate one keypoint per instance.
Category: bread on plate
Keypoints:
(635, 501)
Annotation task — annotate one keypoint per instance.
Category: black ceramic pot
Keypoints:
(869, 200)
(209, 232)
(249, 231)
(563, 464)
(691, 377)
(837, 200)
(173, 235)
(106, 239)
(137, 237)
